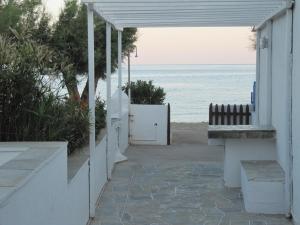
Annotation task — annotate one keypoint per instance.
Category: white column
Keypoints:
(91, 80)
(120, 71)
(289, 68)
(257, 76)
(269, 73)
(119, 157)
(108, 100)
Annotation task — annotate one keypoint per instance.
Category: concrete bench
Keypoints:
(263, 186)
(242, 142)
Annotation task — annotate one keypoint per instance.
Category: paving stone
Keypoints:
(174, 193)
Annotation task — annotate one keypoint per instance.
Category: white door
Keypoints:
(148, 124)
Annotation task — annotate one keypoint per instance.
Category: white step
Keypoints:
(263, 186)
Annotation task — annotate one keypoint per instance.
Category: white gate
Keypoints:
(148, 124)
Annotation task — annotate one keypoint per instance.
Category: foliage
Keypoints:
(70, 40)
(32, 46)
(143, 92)
(29, 110)
(27, 17)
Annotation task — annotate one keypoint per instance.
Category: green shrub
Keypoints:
(143, 92)
(29, 109)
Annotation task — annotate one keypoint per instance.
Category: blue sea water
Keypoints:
(191, 88)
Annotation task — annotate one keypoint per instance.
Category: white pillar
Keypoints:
(120, 71)
(119, 157)
(257, 76)
(91, 80)
(289, 67)
(108, 100)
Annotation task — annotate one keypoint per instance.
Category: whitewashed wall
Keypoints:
(280, 94)
(280, 107)
(100, 166)
(262, 92)
(49, 198)
(296, 113)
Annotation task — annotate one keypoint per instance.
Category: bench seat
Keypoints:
(263, 184)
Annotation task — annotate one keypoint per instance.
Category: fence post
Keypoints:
(216, 114)
(210, 114)
(247, 115)
(228, 115)
(241, 115)
(222, 115)
(169, 125)
(234, 114)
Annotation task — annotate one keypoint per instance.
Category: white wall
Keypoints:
(100, 166)
(280, 93)
(263, 82)
(48, 197)
(149, 124)
(296, 113)
(280, 107)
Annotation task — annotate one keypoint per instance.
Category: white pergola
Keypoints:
(122, 14)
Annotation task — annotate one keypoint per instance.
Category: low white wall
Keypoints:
(44, 198)
(237, 150)
(148, 124)
(48, 197)
(100, 166)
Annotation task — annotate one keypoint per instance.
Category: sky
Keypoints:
(229, 45)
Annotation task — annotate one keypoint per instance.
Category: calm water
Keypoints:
(191, 88)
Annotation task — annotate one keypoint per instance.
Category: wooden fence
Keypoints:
(230, 114)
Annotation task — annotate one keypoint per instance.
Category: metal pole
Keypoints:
(91, 80)
(108, 100)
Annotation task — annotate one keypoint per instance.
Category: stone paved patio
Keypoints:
(176, 185)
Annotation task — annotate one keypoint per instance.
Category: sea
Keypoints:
(191, 88)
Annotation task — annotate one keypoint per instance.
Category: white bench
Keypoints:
(242, 142)
(263, 187)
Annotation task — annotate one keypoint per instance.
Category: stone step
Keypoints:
(263, 186)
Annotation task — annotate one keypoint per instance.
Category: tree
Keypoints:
(70, 40)
(27, 17)
(67, 38)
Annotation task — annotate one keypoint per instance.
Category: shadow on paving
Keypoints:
(179, 184)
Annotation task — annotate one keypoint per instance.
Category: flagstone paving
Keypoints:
(174, 185)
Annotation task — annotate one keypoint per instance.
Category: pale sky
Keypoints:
(187, 45)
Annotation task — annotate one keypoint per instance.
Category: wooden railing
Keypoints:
(230, 114)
